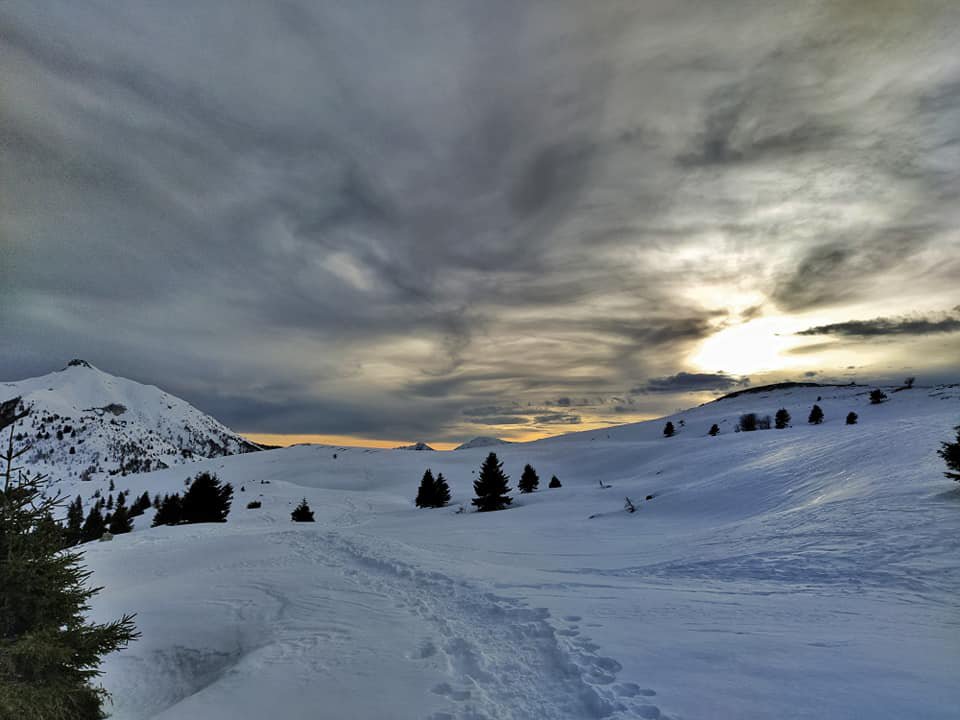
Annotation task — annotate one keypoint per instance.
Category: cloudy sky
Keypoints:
(405, 220)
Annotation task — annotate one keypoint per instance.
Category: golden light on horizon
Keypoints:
(755, 346)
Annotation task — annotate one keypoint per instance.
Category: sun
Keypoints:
(755, 346)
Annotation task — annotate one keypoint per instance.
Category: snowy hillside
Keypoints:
(810, 572)
(85, 423)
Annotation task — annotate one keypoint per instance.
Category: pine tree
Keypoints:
(74, 529)
(170, 512)
(852, 418)
(714, 430)
(302, 513)
(529, 480)
(816, 415)
(426, 491)
(877, 396)
(93, 526)
(554, 482)
(781, 419)
(950, 452)
(156, 501)
(120, 522)
(49, 652)
(668, 429)
(491, 487)
(441, 491)
(207, 500)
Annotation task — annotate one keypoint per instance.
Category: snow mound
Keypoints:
(417, 447)
(482, 442)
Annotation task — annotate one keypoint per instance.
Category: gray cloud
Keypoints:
(887, 326)
(690, 382)
(365, 213)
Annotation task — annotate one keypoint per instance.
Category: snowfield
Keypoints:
(811, 572)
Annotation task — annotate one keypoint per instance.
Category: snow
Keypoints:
(810, 572)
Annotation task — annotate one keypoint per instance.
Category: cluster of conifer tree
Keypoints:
(491, 487)
(207, 500)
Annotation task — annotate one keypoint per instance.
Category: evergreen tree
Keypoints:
(852, 418)
(74, 530)
(781, 419)
(816, 415)
(120, 521)
(669, 430)
(529, 480)
(49, 652)
(110, 502)
(302, 513)
(93, 526)
(206, 500)
(156, 501)
(877, 396)
(554, 482)
(441, 491)
(714, 430)
(426, 491)
(748, 422)
(491, 487)
(950, 452)
(170, 512)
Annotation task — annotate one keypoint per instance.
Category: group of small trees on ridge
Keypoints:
(491, 487)
(49, 651)
(750, 422)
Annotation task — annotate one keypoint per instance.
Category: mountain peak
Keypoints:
(77, 362)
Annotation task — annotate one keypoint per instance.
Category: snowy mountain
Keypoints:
(809, 572)
(417, 447)
(482, 441)
(87, 424)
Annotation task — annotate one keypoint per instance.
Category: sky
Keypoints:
(401, 221)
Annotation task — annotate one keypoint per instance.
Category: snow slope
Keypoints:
(83, 419)
(811, 572)
(482, 442)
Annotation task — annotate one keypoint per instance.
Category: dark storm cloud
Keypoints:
(690, 382)
(887, 326)
(323, 217)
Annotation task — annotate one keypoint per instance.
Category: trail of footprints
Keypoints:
(501, 658)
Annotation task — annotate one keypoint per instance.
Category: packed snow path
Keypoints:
(319, 620)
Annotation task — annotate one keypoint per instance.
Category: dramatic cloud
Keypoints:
(365, 218)
(690, 382)
(887, 326)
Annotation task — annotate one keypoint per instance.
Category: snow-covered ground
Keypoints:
(811, 572)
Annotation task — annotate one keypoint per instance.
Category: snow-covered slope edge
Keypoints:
(87, 424)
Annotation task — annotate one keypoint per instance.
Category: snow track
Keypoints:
(502, 659)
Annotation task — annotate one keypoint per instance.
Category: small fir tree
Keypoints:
(669, 430)
(781, 419)
(748, 422)
(529, 480)
(170, 512)
(441, 493)
(816, 415)
(714, 430)
(49, 651)
(93, 526)
(491, 487)
(852, 418)
(950, 452)
(554, 482)
(120, 521)
(302, 513)
(73, 532)
(426, 491)
(877, 396)
(207, 500)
